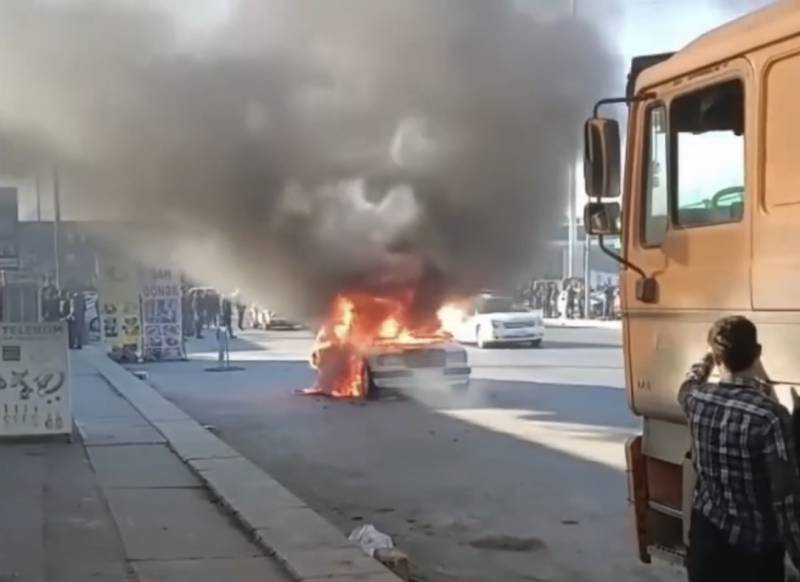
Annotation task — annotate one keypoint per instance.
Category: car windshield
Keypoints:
(497, 305)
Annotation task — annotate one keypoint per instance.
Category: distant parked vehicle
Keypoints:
(273, 320)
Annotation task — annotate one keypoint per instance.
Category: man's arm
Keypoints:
(781, 462)
(696, 378)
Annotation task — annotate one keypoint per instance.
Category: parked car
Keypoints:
(495, 319)
(434, 366)
(273, 320)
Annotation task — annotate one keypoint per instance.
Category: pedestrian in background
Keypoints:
(241, 309)
(198, 309)
(227, 315)
(746, 503)
(79, 315)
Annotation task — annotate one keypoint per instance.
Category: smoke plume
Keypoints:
(286, 149)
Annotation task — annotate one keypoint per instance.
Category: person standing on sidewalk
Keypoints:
(227, 316)
(746, 503)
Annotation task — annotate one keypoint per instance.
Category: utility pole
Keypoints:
(38, 200)
(57, 226)
(572, 187)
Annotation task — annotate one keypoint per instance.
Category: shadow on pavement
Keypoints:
(434, 481)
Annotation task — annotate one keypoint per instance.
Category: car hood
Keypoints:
(524, 316)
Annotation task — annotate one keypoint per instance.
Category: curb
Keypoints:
(283, 525)
(583, 323)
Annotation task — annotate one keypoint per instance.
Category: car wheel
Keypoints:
(370, 389)
(536, 343)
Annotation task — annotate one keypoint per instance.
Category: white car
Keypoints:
(425, 366)
(494, 319)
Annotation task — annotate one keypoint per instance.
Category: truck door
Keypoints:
(691, 232)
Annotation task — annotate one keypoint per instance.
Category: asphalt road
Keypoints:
(521, 479)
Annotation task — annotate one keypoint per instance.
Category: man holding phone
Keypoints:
(746, 502)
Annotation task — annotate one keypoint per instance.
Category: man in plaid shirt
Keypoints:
(746, 505)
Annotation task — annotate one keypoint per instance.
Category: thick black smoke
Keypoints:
(288, 149)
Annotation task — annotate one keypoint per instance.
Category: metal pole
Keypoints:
(587, 276)
(571, 219)
(38, 200)
(57, 226)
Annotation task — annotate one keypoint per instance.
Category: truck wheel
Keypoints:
(536, 343)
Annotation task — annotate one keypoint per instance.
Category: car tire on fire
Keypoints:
(370, 389)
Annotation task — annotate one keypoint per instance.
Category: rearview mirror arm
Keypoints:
(618, 258)
(616, 100)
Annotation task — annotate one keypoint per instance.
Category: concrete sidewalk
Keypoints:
(276, 522)
(115, 505)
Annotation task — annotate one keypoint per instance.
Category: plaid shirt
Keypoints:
(744, 454)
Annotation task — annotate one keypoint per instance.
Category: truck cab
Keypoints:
(710, 224)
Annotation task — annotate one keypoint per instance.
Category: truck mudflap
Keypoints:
(638, 494)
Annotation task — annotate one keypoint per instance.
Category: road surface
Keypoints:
(521, 479)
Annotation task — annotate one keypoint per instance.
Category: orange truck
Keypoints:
(710, 225)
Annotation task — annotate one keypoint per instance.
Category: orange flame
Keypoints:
(357, 323)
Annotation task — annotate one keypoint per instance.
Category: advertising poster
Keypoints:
(92, 317)
(119, 308)
(9, 248)
(162, 316)
(35, 395)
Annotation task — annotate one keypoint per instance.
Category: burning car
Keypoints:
(427, 366)
(370, 342)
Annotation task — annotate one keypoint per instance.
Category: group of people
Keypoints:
(544, 295)
(68, 306)
(205, 307)
(566, 299)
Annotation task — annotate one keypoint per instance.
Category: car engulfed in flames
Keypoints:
(372, 341)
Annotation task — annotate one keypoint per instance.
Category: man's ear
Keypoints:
(758, 351)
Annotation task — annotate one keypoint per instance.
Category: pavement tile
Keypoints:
(324, 562)
(118, 432)
(246, 489)
(382, 577)
(140, 466)
(299, 528)
(172, 524)
(21, 509)
(191, 441)
(234, 570)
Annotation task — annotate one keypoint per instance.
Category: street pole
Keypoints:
(38, 201)
(587, 275)
(571, 219)
(57, 226)
(572, 187)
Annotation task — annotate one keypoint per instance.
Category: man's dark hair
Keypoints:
(734, 342)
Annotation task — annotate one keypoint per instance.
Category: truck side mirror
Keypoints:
(602, 218)
(601, 158)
